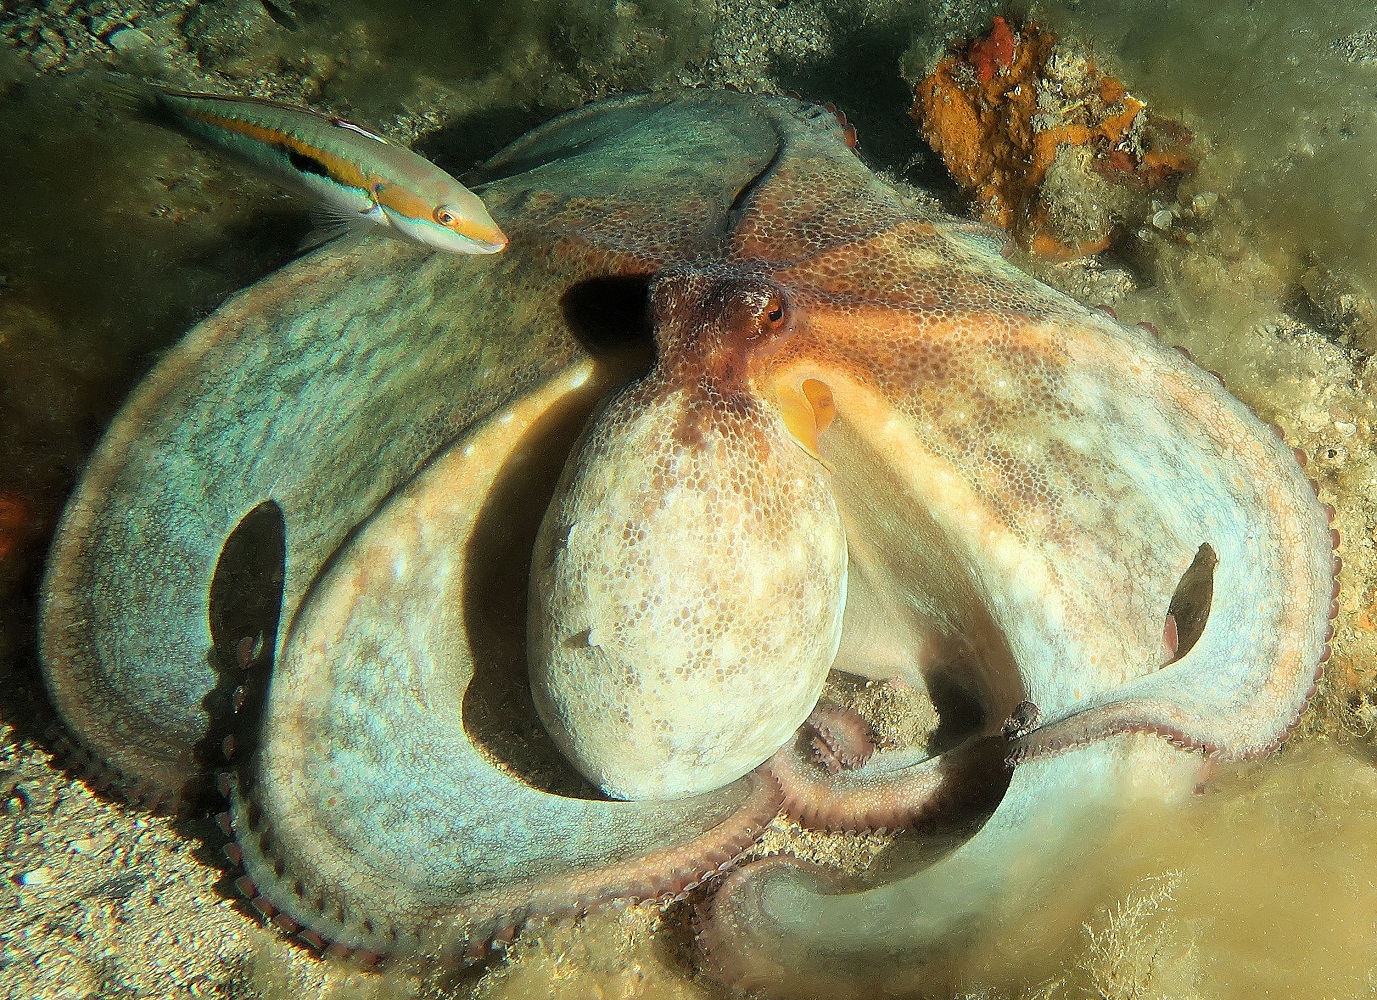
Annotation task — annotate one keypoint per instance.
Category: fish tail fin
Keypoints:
(129, 94)
(138, 99)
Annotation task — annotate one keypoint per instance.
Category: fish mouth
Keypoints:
(482, 237)
(491, 241)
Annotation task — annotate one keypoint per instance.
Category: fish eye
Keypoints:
(445, 216)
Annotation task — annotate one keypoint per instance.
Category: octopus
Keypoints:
(492, 589)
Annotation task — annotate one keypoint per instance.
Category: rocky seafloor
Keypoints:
(1264, 264)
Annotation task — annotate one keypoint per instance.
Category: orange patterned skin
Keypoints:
(856, 409)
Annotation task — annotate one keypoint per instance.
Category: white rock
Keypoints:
(37, 877)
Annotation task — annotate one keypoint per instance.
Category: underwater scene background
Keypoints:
(1258, 256)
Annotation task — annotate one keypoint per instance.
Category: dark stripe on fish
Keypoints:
(306, 164)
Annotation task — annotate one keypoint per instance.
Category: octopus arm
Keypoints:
(1059, 476)
(786, 929)
(377, 815)
(1066, 484)
(324, 387)
(302, 392)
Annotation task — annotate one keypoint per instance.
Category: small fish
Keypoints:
(360, 178)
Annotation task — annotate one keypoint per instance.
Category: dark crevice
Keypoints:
(859, 77)
(245, 611)
(1190, 604)
(609, 313)
(960, 712)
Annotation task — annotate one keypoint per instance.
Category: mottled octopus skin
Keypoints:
(689, 578)
(1022, 483)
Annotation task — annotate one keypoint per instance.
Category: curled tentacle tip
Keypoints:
(842, 739)
(726, 925)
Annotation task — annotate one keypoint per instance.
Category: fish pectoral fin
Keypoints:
(330, 215)
(330, 223)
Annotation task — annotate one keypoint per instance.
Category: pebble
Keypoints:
(1203, 204)
(37, 877)
(128, 40)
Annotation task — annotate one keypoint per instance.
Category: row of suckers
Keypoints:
(359, 180)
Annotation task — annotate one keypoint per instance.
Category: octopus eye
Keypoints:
(445, 216)
(774, 311)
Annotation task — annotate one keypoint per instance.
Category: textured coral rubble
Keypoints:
(1047, 145)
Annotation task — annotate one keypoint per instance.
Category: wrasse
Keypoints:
(359, 178)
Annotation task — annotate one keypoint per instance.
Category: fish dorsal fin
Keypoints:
(357, 128)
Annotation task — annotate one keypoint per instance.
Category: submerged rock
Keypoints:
(1047, 145)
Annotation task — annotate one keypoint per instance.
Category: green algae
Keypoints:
(1284, 94)
(1254, 888)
